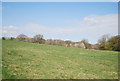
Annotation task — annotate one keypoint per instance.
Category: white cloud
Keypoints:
(91, 27)
(101, 24)
(10, 31)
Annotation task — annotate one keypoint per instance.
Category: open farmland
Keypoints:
(23, 60)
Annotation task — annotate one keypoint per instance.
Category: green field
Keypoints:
(39, 61)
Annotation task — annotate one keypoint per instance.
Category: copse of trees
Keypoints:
(36, 39)
(113, 43)
(109, 43)
(104, 43)
(3, 38)
(12, 38)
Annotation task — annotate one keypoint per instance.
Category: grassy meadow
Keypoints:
(23, 60)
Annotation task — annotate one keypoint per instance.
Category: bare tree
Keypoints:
(68, 42)
(102, 41)
(38, 38)
(86, 43)
(22, 37)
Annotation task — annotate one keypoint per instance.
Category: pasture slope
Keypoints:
(23, 60)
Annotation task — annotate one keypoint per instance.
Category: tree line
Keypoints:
(104, 43)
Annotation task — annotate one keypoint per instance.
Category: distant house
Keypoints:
(82, 45)
(65, 43)
(77, 45)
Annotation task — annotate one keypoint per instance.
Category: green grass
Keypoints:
(39, 61)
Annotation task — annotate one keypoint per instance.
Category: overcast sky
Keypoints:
(60, 20)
